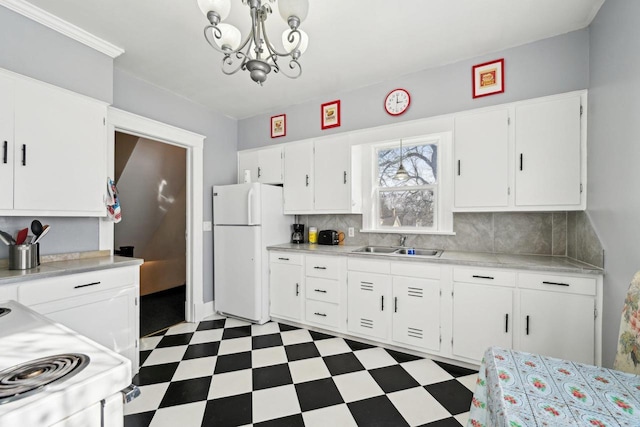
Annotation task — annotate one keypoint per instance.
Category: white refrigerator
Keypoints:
(247, 218)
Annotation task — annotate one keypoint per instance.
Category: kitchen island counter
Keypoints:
(545, 263)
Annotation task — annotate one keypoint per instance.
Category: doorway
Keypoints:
(151, 180)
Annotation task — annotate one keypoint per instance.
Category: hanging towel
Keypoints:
(113, 204)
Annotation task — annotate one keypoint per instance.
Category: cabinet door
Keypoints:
(286, 284)
(482, 317)
(270, 165)
(416, 312)
(369, 305)
(298, 177)
(60, 150)
(6, 141)
(332, 175)
(482, 160)
(548, 153)
(247, 160)
(558, 325)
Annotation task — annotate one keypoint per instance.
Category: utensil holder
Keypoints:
(24, 257)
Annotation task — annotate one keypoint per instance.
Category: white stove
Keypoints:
(92, 377)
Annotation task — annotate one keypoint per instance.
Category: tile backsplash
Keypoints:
(538, 233)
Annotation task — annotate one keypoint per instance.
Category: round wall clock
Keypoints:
(397, 102)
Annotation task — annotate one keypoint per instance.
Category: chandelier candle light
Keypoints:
(256, 53)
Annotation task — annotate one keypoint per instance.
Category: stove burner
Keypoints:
(4, 311)
(31, 377)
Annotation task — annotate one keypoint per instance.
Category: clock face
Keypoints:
(397, 102)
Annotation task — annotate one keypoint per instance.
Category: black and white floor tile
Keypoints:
(225, 372)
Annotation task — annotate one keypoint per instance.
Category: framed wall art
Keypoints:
(488, 78)
(279, 126)
(330, 114)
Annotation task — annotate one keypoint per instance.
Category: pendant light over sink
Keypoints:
(256, 53)
(401, 174)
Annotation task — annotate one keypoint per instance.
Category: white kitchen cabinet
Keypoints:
(286, 285)
(548, 153)
(265, 165)
(8, 292)
(6, 139)
(481, 177)
(482, 311)
(298, 177)
(370, 305)
(325, 280)
(102, 305)
(322, 176)
(58, 151)
(416, 312)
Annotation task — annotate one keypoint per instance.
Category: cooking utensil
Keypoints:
(45, 230)
(4, 240)
(8, 236)
(22, 236)
(36, 227)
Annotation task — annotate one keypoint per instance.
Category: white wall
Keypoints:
(555, 65)
(614, 153)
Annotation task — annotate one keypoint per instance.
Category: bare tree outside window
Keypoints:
(410, 203)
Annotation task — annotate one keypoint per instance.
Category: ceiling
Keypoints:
(353, 43)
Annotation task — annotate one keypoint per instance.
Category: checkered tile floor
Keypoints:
(225, 372)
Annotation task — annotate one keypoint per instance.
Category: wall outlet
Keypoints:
(351, 232)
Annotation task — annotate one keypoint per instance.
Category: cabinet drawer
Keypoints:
(369, 265)
(416, 269)
(286, 258)
(323, 289)
(323, 313)
(485, 277)
(45, 290)
(556, 283)
(327, 267)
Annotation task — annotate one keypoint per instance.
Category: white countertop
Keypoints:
(547, 263)
(61, 268)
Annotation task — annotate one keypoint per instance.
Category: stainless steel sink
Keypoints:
(376, 250)
(405, 252)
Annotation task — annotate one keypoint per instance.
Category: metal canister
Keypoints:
(23, 257)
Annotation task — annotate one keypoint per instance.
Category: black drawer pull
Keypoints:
(458, 167)
(4, 152)
(24, 154)
(259, 172)
(297, 289)
(284, 259)
(320, 268)
(521, 161)
(306, 181)
(84, 286)
(395, 305)
(320, 314)
(382, 303)
(506, 322)
(482, 277)
(556, 283)
(322, 291)
(345, 177)
(527, 326)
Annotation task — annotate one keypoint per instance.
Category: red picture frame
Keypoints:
(488, 78)
(279, 126)
(330, 114)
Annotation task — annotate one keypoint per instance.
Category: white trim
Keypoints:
(133, 124)
(63, 27)
(208, 309)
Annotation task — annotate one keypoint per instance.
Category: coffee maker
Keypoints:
(298, 233)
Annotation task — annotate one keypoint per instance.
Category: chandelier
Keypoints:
(256, 53)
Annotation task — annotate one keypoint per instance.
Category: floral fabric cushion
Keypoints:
(628, 356)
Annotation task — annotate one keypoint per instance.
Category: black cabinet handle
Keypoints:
(322, 291)
(259, 170)
(458, 167)
(556, 283)
(526, 330)
(395, 305)
(345, 177)
(4, 155)
(482, 277)
(297, 289)
(320, 314)
(284, 259)
(307, 180)
(84, 286)
(24, 154)
(382, 303)
(520, 161)
(320, 268)
(506, 322)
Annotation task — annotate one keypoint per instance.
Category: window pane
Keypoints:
(411, 208)
(420, 161)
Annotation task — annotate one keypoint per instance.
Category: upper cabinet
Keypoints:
(54, 152)
(322, 176)
(264, 165)
(526, 156)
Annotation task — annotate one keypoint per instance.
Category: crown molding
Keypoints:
(63, 27)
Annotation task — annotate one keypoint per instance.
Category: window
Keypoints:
(420, 204)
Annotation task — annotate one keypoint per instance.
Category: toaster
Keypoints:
(328, 237)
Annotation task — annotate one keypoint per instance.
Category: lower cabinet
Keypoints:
(286, 280)
(369, 306)
(416, 312)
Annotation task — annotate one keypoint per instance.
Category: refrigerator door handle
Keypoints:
(249, 206)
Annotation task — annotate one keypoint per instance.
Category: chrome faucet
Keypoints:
(403, 239)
